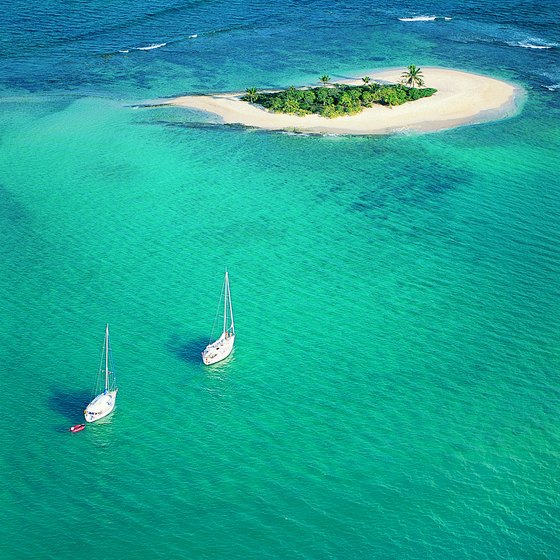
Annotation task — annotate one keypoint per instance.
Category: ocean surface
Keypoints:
(394, 391)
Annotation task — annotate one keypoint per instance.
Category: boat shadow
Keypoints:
(189, 351)
(69, 404)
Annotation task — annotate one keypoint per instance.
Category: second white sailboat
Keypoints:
(223, 346)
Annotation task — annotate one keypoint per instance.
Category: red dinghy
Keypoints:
(77, 428)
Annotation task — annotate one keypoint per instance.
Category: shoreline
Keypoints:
(462, 99)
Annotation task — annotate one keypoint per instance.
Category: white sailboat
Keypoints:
(222, 348)
(104, 403)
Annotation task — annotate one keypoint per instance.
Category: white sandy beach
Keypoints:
(462, 98)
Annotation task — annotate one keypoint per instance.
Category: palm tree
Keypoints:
(366, 80)
(325, 79)
(252, 94)
(413, 77)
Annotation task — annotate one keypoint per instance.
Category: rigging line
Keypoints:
(97, 386)
(217, 315)
(112, 369)
(231, 325)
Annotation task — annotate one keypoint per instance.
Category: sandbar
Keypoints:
(462, 98)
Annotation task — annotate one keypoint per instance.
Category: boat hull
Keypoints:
(218, 351)
(102, 405)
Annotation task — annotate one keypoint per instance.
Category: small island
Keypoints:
(342, 99)
(459, 98)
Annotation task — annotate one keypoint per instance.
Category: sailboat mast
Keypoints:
(107, 357)
(226, 288)
(230, 309)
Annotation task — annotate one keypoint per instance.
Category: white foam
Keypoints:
(194, 36)
(151, 47)
(533, 43)
(419, 18)
(527, 45)
(553, 87)
(124, 50)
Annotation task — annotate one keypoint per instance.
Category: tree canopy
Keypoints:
(413, 76)
(339, 100)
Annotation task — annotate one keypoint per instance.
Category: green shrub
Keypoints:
(334, 102)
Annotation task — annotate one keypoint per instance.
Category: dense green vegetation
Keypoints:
(341, 99)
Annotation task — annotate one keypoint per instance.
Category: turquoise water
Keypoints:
(394, 388)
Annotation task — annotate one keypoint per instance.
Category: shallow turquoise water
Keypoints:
(394, 388)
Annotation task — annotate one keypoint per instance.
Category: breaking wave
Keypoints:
(151, 47)
(531, 46)
(418, 18)
(532, 43)
(424, 18)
